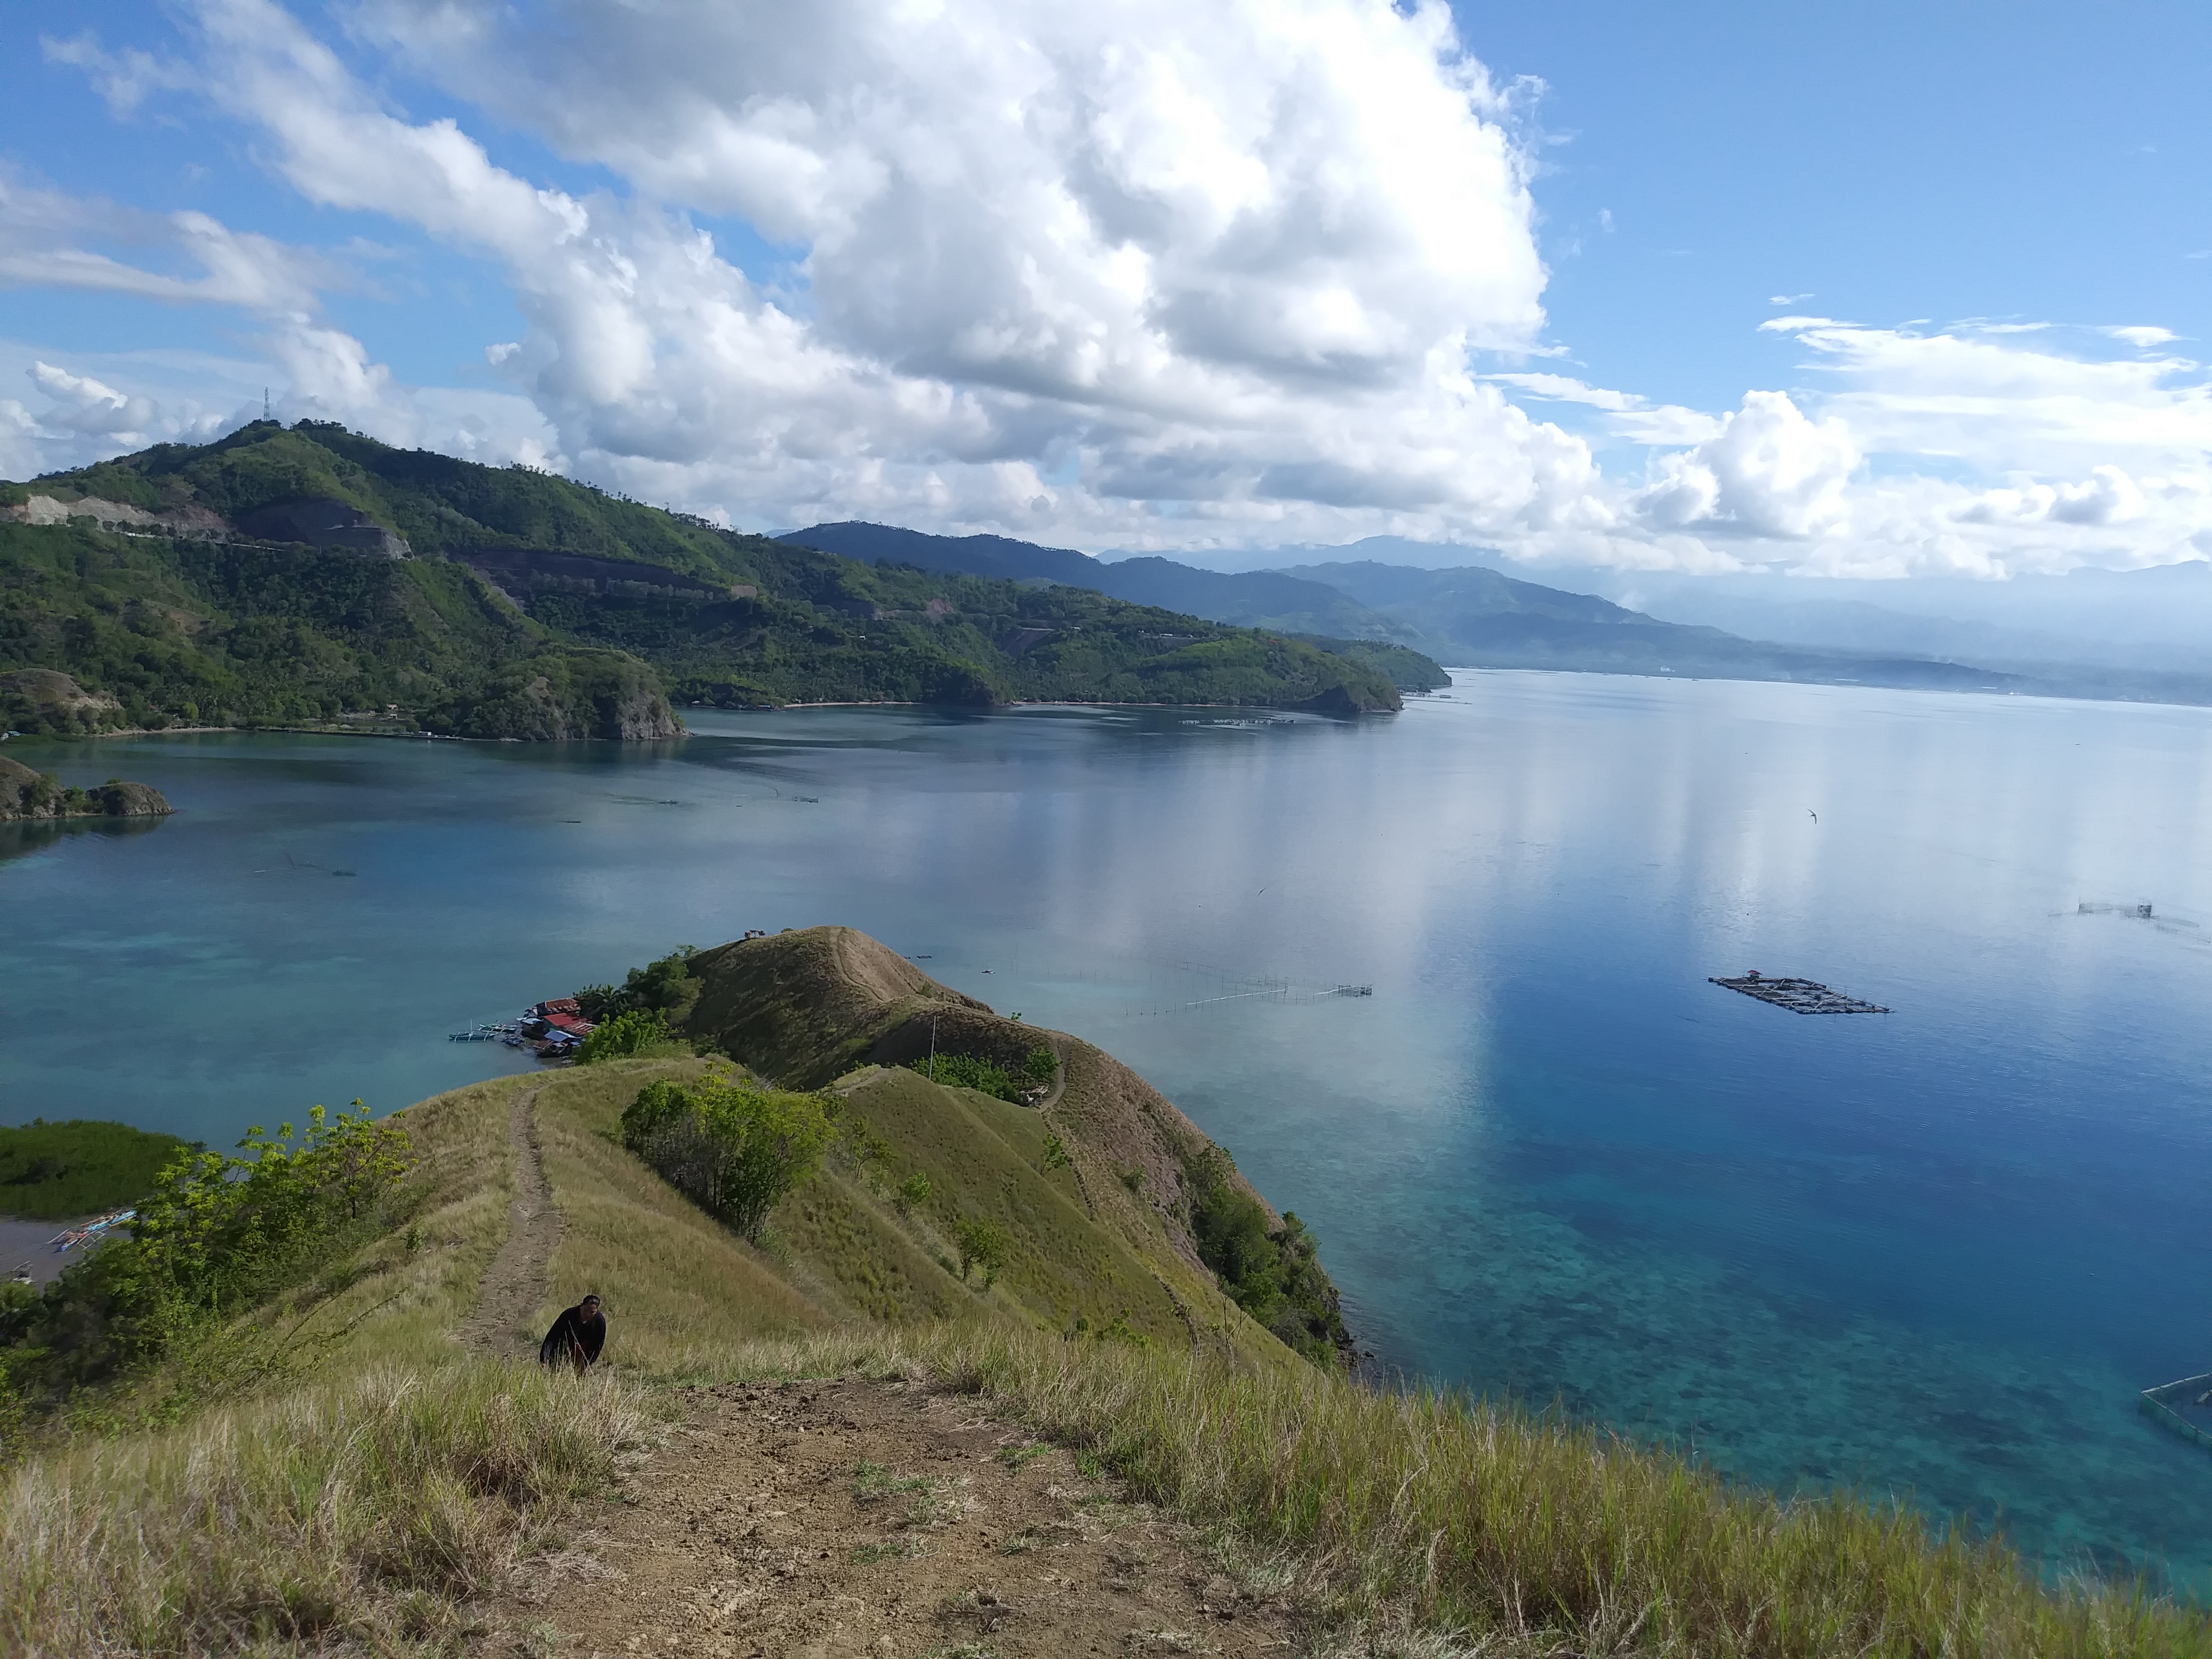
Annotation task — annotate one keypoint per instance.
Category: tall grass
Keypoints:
(1434, 1509)
(361, 1510)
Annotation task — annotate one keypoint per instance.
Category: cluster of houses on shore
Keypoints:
(552, 1030)
(555, 1028)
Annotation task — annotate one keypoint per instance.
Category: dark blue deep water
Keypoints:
(1935, 1252)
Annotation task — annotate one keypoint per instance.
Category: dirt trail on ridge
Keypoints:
(851, 1519)
(515, 1284)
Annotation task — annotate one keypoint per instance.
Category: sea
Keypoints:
(1441, 982)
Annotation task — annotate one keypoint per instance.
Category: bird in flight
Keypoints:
(1811, 814)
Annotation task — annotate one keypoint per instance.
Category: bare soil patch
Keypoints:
(854, 1519)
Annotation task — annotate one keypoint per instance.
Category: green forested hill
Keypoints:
(309, 574)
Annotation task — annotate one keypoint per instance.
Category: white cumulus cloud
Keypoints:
(84, 404)
(1767, 471)
(1165, 273)
(1224, 263)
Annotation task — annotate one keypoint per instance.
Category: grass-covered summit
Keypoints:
(309, 575)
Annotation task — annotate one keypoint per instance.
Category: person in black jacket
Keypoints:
(577, 1336)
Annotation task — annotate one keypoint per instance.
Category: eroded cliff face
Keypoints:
(188, 521)
(641, 714)
(562, 696)
(312, 521)
(26, 794)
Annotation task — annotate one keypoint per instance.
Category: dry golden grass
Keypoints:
(1428, 1527)
(362, 1509)
(1427, 1513)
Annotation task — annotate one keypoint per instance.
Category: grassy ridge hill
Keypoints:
(331, 1469)
(312, 575)
(1130, 1214)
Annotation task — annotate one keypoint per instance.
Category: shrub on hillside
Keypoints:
(665, 987)
(1273, 1274)
(987, 1076)
(732, 1148)
(217, 1236)
(640, 1030)
(984, 1244)
(914, 1190)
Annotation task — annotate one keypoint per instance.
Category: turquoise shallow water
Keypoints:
(1934, 1252)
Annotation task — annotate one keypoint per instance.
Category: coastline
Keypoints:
(418, 734)
(30, 1243)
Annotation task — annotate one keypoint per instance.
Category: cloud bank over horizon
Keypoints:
(1153, 277)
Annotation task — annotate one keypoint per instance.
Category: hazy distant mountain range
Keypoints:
(2144, 635)
(2157, 621)
(1468, 616)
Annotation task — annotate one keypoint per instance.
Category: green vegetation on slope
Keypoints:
(987, 1076)
(185, 633)
(662, 988)
(632, 1032)
(1273, 1272)
(534, 607)
(215, 1234)
(735, 1149)
(1403, 666)
(49, 1171)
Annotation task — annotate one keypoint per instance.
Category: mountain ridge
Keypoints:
(310, 576)
(1471, 616)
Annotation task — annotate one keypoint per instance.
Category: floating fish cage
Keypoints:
(1799, 996)
(2161, 1406)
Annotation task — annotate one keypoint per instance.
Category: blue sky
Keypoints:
(1315, 279)
(2022, 162)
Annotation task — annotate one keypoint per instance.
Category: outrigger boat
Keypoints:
(92, 1232)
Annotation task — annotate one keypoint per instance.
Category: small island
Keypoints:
(27, 794)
